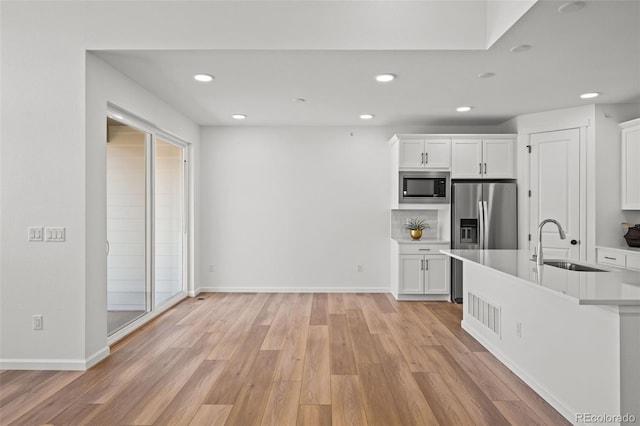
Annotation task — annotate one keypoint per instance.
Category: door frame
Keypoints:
(154, 133)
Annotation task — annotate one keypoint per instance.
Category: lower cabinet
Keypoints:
(619, 258)
(422, 273)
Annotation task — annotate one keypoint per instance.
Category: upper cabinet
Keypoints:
(483, 157)
(424, 153)
(630, 161)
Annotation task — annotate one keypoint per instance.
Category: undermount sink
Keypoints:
(564, 264)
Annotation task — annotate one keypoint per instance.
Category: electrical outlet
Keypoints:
(37, 322)
(54, 234)
(359, 268)
(35, 233)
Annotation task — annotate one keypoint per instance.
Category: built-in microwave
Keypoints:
(424, 187)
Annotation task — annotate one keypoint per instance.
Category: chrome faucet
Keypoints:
(539, 258)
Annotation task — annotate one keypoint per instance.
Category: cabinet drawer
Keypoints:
(421, 248)
(633, 262)
(612, 258)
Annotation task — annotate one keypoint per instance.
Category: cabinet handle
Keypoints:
(610, 258)
(426, 156)
(426, 264)
(485, 168)
(422, 264)
(479, 168)
(424, 249)
(422, 161)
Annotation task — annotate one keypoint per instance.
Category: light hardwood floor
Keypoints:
(285, 359)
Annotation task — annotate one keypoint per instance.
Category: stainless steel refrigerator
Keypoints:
(483, 216)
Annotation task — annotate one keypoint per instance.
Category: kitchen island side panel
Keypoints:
(568, 353)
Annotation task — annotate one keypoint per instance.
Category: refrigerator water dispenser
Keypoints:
(469, 231)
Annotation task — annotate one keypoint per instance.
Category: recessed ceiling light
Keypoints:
(463, 109)
(486, 75)
(590, 95)
(366, 116)
(205, 78)
(520, 48)
(385, 78)
(239, 116)
(570, 7)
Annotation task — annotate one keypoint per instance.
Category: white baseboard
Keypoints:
(565, 411)
(237, 289)
(55, 364)
(97, 357)
(422, 297)
(126, 308)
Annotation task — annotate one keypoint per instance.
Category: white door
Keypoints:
(437, 275)
(437, 153)
(554, 178)
(412, 153)
(630, 169)
(466, 159)
(498, 159)
(411, 274)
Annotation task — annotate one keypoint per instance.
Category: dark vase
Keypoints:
(633, 236)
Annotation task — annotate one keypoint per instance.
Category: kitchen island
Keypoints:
(574, 337)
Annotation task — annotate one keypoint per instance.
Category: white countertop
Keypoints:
(618, 287)
(409, 240)
(621, 246)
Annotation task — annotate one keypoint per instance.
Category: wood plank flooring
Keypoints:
(285, 359)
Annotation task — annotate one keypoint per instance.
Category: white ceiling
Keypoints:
(594, 49)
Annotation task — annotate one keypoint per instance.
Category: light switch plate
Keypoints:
(54, 234)
(35, 233)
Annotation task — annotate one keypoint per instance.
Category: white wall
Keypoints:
(294, 209)
(53, 174)
(43, 184)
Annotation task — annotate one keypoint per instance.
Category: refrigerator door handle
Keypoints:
(481, 224)
(485, 223)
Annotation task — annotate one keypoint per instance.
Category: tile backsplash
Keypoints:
(400, 217)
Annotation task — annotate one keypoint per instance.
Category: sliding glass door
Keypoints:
(127, 278)
(146, 221)
(170, 224)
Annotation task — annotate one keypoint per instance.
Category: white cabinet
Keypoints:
(423, 274)
(422, 271)
(427, 153)
(630, 161)
(411, 274)
(614, 258)
(619, 258)
(483, 158)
